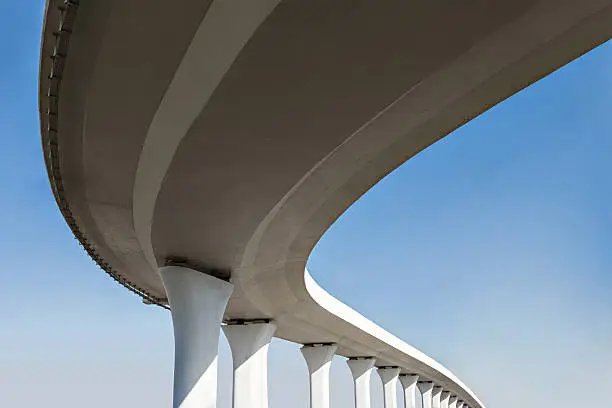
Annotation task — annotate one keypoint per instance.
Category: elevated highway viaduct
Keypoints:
(198, 150)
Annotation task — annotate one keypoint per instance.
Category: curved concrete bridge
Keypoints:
(198, 149)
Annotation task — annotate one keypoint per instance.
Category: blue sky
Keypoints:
(489, 251)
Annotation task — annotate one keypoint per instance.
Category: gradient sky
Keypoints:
(490, 251)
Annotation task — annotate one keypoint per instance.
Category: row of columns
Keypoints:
(436, 397)
(198, 302)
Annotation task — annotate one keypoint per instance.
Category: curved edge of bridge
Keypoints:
(397, 353)
(197, 302)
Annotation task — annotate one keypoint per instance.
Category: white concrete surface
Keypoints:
(318, 360)
(365, 336)
(361, 369)
(249, 343)
(426, 389)
(409, 384)
(168, 169)
(436, 397)
(444, 398)
(226, 28)
(452, 402)
(197, 302)
(389, 377)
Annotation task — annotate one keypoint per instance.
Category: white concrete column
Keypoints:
(444, 397)
(460, 404)
(426, 389)
(249, 344)
(318, 359)
(409, 382)
(197, 302)
(452, 402)
(436, 397)
(389, 376)
(361, 368)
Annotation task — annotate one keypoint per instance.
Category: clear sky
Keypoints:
(490, 251)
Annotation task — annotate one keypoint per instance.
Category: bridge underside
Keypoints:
(228, 136)
(307, 81)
